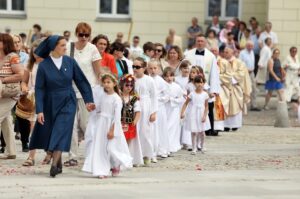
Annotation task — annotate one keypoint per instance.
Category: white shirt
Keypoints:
(264, 35)
(85, 58)
(248, 58)
(57, 61)
(136, 51)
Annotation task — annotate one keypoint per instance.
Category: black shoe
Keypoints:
(234, 129)
(215, 133)
(226, 129)
(25, 147)
(2, 150)
(208, 133)
(190, 149)
(255, 109)
(54, 171)
(59, 167)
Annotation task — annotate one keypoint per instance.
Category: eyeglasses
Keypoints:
(128, 85)
(136, 67)
(86, 35)
(158, 50)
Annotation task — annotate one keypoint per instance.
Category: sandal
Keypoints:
(47, 159)
(71, 163)
(28, 163)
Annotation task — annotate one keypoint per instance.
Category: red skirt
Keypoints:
(129, 131)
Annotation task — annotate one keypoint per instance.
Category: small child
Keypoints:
(173, 106)
(160, 125)
(182, 80)
(106, 147)
(198, 112)
(145, 87)
(131, 113)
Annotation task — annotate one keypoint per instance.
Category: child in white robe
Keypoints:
(131, 113)
(145, 88)
(173, 106)
(182, 80)
(160, 125)
(198, 112)
(106, 147)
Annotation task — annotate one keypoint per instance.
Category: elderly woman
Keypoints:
(11, 72)
(56, 99)
(292, 67)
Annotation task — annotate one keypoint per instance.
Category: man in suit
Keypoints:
(201, 56)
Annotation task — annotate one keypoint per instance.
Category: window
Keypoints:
(12, 7)
(225, 9)
(114, 8)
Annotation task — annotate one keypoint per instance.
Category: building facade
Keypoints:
(150, 19)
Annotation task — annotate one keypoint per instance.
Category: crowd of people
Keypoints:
(133, 104)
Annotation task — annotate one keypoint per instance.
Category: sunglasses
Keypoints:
(136, 67)
(158, 50)
(83, 35)
(128, 85)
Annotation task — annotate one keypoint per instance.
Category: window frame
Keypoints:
(222, 17)
(114, 14)
(10, 11)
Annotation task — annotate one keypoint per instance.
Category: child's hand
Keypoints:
(182, 115)
(90, 106)
(110, 135)
(203, 119)
(152, 117)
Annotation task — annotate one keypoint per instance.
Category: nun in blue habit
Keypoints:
(56, 100)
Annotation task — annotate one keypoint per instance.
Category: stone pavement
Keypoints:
(257, 161)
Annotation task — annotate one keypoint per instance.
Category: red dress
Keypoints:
(128, 117)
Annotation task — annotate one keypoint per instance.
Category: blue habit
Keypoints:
(56, 98)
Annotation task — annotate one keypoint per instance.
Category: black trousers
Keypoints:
(211, 118)
(24, 128)
(256, 57)
(3, 144)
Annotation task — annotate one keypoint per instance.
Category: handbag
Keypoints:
(10, 90)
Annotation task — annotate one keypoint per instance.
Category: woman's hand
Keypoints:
(90, 106)
(40, 118)
(24, 88)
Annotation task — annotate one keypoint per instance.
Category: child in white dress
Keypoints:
(106, 147)
(173, 107)
(160, 125)
(198, 112)
(145, 88)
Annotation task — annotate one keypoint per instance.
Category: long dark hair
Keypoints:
(8, 43)
(101, 36)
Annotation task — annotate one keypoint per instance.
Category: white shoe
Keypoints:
(194, 153)
(164, 156)
(154, 160)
